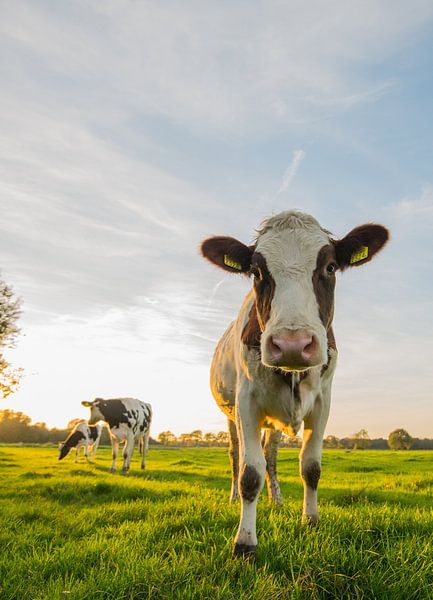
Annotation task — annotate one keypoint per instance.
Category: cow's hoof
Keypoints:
(310, 520)
(124, 471)
(112, 470)
(249, 553)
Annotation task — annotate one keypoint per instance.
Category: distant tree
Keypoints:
(361, 440)
(196, 437)
(331, 442)
(14, 426)
(222, 438)
(166, 438)
(9, 314)
(400, 439)
(209, 438)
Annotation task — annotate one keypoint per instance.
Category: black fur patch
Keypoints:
(311, 474)
(250, 483)
(114, 412)
(71, 442)
(93, 433)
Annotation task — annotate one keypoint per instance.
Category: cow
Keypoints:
(128, 420)
(82, 435)
(273, 367)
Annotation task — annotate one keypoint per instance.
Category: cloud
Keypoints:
(415, 208)
(292, 169)
(213, 67)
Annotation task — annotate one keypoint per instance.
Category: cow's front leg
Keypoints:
(76, 453)
(252, 477)
(311, 458)
(86, 451)
(272, 440)
(234, 459)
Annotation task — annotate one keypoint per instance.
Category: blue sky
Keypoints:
(132, 130)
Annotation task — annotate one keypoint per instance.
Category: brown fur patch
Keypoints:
(311, 475)
(264, 288)
(250, 483)
(324, 284)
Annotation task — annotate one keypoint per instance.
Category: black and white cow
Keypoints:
(274, 365)
(128, 420)
(84, 436)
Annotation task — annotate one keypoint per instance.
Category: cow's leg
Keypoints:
(272, 440)
(144, 447)
(86, 451)
(252, 477)
(76, 453)
(234, 459)
(115, 450)
(128, 450)
(311, 458)
(94, 448)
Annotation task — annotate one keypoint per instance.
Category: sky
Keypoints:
(132, 130)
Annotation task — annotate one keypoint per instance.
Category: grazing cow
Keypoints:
(128, 420)
(273, 366)
(82, 435)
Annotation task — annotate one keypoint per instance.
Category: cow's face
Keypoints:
(293, 265)
(95, 410)
(63, 450)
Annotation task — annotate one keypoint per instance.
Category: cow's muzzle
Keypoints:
(294, 350)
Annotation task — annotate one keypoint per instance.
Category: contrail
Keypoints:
(292, 169)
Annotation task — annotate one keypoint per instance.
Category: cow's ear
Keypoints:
(360, 245)
(228, 254)
(86, 403)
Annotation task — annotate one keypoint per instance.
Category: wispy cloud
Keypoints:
(292, 169)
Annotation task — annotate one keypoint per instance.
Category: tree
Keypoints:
(166, 437)
(196, 437)
(399, 439)
(331, 442)
(9, 314)
(361, 440)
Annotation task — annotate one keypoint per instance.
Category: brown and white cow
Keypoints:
(274, 365)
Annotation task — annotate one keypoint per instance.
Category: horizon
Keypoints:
(130, 133)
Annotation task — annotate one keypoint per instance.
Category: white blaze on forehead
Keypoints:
(290, 243)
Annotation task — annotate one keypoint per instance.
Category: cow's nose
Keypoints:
(292, 348)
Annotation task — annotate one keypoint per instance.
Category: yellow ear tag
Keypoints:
(232, 263)
(363, 253)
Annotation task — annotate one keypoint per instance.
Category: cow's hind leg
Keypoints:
(234, 460)
(271, 441)
(252, 478)
(144, 443)
(127, 453)
(115, 450)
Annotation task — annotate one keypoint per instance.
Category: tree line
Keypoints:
(17, 427)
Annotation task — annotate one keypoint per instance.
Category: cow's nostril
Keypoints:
(274, 348)
(310, 348)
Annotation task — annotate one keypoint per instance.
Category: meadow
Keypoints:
(77, 532)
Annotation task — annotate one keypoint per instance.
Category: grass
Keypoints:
(77, 532)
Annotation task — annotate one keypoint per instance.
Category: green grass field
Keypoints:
(77, 532)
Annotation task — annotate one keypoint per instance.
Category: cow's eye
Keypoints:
(331, 268)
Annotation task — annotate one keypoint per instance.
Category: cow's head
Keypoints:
(64, 450)
(293, 264)
(95, 410)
